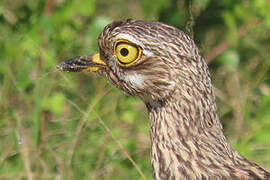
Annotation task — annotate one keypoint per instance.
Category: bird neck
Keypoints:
(188, 142)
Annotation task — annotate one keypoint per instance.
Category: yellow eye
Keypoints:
(127, 53)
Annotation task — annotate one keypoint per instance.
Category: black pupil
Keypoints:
(124, 51)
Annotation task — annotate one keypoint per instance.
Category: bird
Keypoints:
(162, 66)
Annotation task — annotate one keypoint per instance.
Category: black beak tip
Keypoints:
(62, 66)
(70, 65)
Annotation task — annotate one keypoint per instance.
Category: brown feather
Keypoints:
(173, 80)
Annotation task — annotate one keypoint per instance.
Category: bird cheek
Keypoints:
(135, 80)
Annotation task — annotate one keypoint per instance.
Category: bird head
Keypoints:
(142, 58)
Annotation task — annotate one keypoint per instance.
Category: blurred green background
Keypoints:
(56, 125)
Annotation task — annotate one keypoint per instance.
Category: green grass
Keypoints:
(77, 126)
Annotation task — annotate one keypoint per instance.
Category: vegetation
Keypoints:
(56, 125)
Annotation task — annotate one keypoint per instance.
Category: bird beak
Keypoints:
(87, 63)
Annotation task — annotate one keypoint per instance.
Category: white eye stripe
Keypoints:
(130, 38)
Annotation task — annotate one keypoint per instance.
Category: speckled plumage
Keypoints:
(172, 79)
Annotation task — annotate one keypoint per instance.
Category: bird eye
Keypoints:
(127, 53)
